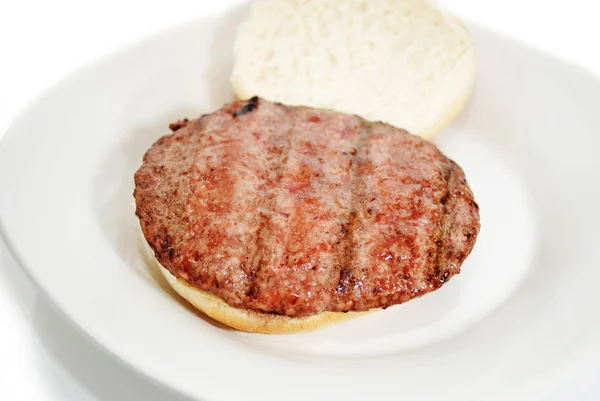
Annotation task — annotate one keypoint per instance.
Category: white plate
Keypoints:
(521, 320)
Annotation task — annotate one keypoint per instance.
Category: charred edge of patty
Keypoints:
(440, 275)
(457, 185)
(179, 124)
(251, 105)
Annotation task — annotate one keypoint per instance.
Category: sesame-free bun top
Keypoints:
(408, 63)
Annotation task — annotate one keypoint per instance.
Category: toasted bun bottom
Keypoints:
(249, 320)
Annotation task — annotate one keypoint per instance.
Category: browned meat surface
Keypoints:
(295, 210)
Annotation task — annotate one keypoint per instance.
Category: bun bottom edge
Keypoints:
(250, 320)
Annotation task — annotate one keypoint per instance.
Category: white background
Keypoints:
(41, 356)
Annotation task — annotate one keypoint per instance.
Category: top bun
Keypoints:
(404, 62)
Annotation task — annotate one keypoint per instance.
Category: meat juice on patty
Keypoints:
(295, 210)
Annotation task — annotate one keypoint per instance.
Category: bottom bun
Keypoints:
(250, 320)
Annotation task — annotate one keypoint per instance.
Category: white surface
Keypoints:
(41, 356)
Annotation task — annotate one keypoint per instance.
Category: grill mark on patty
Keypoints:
(269, 205)
(257, 261)
(349, 255)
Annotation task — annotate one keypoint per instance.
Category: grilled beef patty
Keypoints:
(295, 211)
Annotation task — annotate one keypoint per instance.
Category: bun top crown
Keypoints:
(404, 62)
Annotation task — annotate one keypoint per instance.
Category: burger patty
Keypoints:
(295, 211)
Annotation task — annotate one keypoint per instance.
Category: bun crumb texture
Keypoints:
(408, 63)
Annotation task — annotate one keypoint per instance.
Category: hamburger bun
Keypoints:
(408, 63)
(249, 320)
